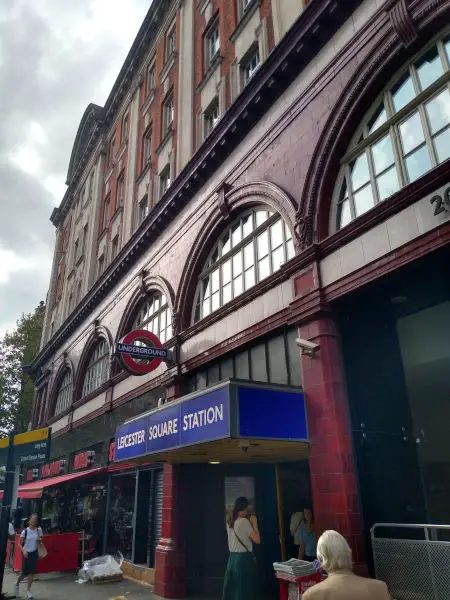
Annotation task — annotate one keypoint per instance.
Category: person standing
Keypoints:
(306, 536)
(28, 545)
(335, 557)
(240, 578)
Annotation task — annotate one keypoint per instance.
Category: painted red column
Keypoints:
(170, 561)
(332, 464)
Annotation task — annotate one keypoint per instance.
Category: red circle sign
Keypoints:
(135, 365)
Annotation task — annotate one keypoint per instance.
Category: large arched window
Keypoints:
(252, 248)
(64, 394)
(97, 368)
(406, 134)
(154, 314)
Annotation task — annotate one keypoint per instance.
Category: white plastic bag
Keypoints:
(100, 568)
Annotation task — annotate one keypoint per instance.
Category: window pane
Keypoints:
(238, 286)
(278, 372)
(242, 366)
(226, 293)
(411, 133)
(442, 145)
(276, 234)
(377, 120)
(290, 251)
(360, 171)
(227, 368)
(438, 111)
(344, 215)
(278, 258)
(206, 309)
(206, 288)
(295, 374)
(247, 224)
(403, 93)
(237, 264)
(249, 278)
(214, 255)
(263, 244)
(249, 256)
(383, 155)
(236, 234)
(215, 280)
(226, 243)
(261, 216)
(387, 184)
(418, 163)
(429, 68)
(226, 272)
(258, 363)
(363, 200)
(215, 299)
(264, 268)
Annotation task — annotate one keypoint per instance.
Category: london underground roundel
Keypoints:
(141, 352)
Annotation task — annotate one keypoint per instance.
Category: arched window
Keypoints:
(405, 135)
(154, 314)
(64, 395)
(97, 368)
(252, 248)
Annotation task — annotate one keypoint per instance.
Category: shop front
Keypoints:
(235, 438)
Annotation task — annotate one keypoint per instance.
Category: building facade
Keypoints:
(267, 190)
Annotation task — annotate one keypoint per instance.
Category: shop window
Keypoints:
(121, 515)
(254, 247)
(97, 370)
(404, 136)
(154, 315)
(64, 394)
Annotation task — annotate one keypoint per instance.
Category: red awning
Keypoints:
(126, 466)
(34, 490)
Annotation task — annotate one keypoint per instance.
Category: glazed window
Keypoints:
(250, 65)
(106, 212)
(406, 135)
(97, 368)
(142, 210)
(150, 80)
(170, 42)
(147, 148)
(64, 395)
(154, 315)
(124, 131)
(212, 43)
(120, 191)
(169, 113)
(115, 247)
(211, 116)
(251, 249)
(164, 181)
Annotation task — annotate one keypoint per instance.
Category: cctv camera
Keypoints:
(309, 348)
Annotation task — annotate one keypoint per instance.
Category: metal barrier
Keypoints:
(414, 569)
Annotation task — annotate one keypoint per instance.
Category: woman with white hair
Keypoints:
(335, 556)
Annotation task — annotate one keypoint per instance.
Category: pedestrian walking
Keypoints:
(240, 577)
(30, 539)
(335, 557)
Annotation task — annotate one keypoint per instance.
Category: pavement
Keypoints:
(62, 586)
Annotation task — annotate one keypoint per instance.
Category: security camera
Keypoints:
(309, 348)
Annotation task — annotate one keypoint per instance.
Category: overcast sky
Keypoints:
(56, 56)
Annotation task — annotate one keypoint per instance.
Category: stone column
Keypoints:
(332, 464)
(170, 576)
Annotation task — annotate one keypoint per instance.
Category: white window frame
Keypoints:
(169, 113)
(64, 394)
(154, 314)
(147, 147)
(212, 39)
(171, 41)
(97, 368)
(248, 70)
(211, 116)
(165, 181)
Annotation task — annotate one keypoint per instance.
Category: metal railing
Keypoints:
(412, 560)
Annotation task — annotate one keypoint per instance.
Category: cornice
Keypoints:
(313, 29)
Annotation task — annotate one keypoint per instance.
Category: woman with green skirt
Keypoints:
(240, 577)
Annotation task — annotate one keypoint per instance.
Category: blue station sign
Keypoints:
(230, 410)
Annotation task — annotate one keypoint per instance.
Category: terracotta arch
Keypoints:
(147, 284)
(99, 332)
(230, 202)
(67, 364)
(406, 32)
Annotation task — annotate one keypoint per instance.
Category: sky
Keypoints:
(56, 56)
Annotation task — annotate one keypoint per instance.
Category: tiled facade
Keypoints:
(275, 142)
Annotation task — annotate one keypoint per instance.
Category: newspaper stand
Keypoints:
(292, 587)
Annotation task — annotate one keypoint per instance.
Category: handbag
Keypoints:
(41, 550)
(244, 546)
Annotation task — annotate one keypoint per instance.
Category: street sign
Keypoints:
(32, 447)
(143, 357)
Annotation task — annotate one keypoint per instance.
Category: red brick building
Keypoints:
(263, 172)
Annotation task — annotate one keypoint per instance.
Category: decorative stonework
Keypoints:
(303, 232)
(402, 23)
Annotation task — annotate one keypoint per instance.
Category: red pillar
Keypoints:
(170, 567)
(332, 464)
